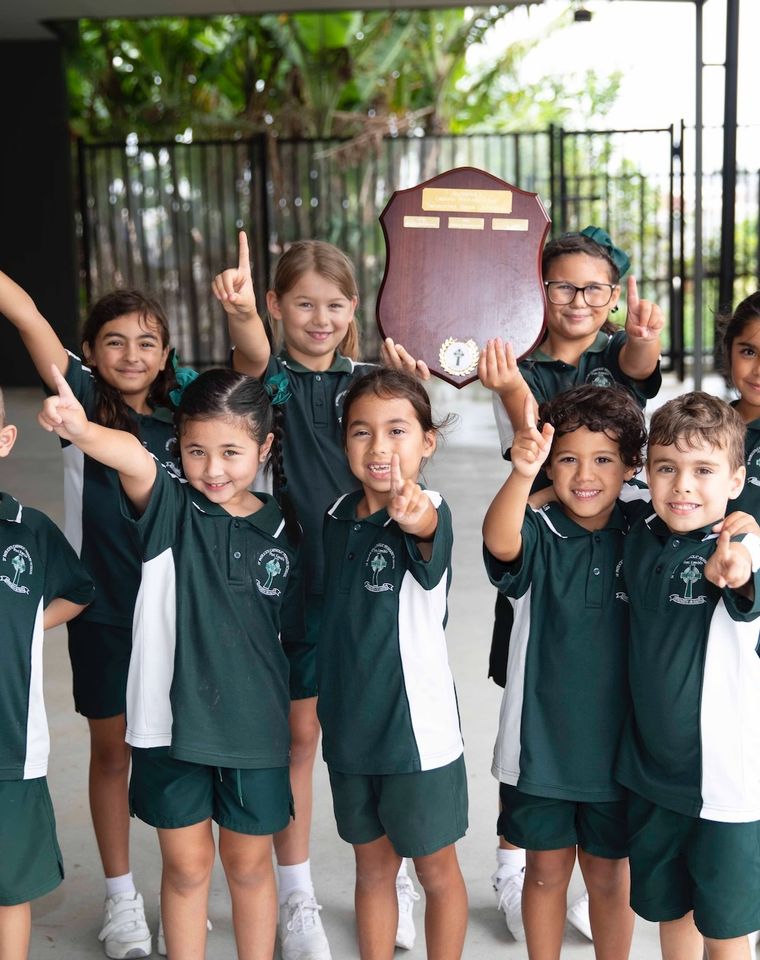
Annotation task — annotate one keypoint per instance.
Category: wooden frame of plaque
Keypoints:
(463, 265)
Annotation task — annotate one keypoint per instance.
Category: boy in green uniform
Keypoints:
(565, 700)
(42, 585)
(690, 753)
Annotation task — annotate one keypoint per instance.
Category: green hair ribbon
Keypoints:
(184, 377)
(278, 388)
(619, 257)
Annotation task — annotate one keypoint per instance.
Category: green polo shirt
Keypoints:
(692, 742)
(37, 566)
(749, 499)
(93, 522)
(314, 457)
(565, 699)
(208, 676)
(387, 702)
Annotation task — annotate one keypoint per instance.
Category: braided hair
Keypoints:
(227, 394)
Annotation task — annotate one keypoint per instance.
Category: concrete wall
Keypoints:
(37, 243)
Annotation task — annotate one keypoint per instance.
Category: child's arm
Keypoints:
(234, 290)
(60, 611)
(412, 509)
(63, 414)
(643, 324)
(502, 527)
(39, 338)
(498, 371)
(398, 358)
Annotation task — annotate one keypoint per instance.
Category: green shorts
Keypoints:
(545, 823)
(99, 654)
(30, 862)
(681, 863)
(302, 657)
(420, 813)
(169, 793)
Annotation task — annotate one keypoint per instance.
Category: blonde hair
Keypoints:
(331, 264)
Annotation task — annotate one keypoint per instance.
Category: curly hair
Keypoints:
(609, 410)
(699, 418)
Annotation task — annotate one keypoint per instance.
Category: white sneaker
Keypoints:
(300, 930)
(509, 898)
(125, 934)
(577, 915)
(161, 939)
(407, 896)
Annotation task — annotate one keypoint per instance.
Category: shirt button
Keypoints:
(676, 543)
(351, 556)
(597, 539)
(237, 554)
(236, 524)
(318, 378)
(357, 526)
(658, 569)
(597, 571)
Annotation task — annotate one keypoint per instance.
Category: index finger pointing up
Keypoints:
(633, 294)
(62, 387)
(397, 481)
(244, 259)
(530, 412)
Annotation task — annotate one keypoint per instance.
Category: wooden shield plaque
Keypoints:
(463, 265)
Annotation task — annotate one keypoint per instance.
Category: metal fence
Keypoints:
(165, 215)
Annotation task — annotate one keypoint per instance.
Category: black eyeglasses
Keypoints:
(560, 292)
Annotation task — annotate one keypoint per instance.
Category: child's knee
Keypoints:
(604, 876)
(111, 758)
(191, 869)
(438, 871)
(243, 870)
(549, 869)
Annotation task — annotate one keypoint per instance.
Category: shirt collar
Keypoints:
(602, 339)
(554, 516)
(10, 509)
(753, 424)
(268, 519)
(345, 509)
(340, 364)
(658, 526)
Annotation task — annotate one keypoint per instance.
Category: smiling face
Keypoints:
(587, 473)
(221, 459)
(745, 370)
(576, 321)
(128, 353)
(691, 485)
(315, 315)
(377, 428)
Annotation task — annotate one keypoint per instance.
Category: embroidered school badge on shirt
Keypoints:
(274, 563)
(20, 562)
(690, 574)
(380, 557)
(620, 594)
(753, 461)
(600, 377)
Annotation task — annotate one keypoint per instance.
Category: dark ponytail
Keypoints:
(276, 467)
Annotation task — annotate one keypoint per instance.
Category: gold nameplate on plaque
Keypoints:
(423, 223)
(467, 200)
(467, 223)
(459, 357)
(500, 223)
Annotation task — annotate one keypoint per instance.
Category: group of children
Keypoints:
(211, 655)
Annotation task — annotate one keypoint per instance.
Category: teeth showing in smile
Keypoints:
(683, 507)
(216, 486)
(379, 470)
(585, 494)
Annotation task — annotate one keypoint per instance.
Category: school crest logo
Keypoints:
(620, 594)
(274, 567)
(379, 559)
(753, 465)
(600, 377)
(19, 565)
(689, 574)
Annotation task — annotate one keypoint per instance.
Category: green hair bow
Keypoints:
(619, 257)
(278, 388)
(184, 377)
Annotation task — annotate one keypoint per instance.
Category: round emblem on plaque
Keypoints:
(459, 357)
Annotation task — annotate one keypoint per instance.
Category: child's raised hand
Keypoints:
(497, 367)
(530, 448)
(63, 413)
(644, 320)
(736, 523)
(730, 565)
(408, 505)
(397, 358)
(233, 288)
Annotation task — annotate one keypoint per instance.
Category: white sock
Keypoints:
(402, 870)
(514, 860)
(117, 885)
(292, 878)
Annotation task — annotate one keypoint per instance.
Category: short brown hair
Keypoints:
(608, 410)
(699, 417)
(331, 264)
